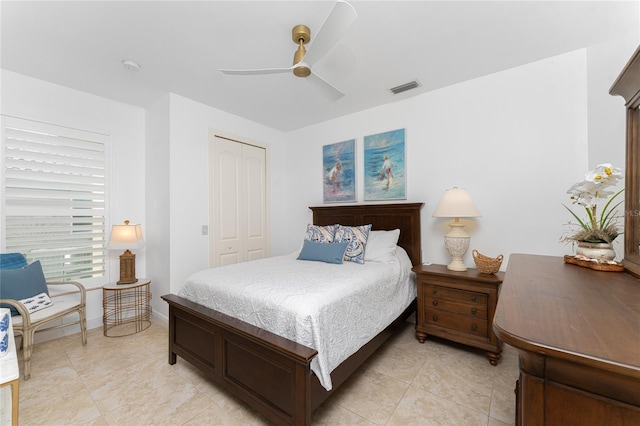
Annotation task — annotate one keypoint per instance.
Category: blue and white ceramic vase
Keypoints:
(5, 319)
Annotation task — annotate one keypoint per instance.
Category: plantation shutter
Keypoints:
(54, 192)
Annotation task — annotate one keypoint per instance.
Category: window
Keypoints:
(54, 187)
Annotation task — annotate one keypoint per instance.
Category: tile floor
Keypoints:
(127, 381)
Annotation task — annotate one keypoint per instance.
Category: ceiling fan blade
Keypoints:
(335, 26)
(325, 87)
(257, 71)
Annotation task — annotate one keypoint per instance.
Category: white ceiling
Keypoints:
(180, 45)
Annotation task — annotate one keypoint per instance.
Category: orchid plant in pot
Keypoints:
(596, 232)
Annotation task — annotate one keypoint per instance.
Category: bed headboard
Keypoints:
(383, 217)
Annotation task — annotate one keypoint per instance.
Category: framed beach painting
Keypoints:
(384, 163)
(339, 172)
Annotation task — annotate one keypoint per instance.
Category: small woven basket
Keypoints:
(485, 264)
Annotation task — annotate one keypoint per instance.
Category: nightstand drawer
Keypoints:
(469, 325)
(451, 293)
(470, 309)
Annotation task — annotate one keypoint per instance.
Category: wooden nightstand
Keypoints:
(458, 306)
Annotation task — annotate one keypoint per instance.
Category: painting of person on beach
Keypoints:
(384, 162)
(338, 171)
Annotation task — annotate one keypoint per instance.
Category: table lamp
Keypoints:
(456, 203)
(126, 237)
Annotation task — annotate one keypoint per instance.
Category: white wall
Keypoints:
(38, 100)
(515, 139)
(187, 186)
(158, 201)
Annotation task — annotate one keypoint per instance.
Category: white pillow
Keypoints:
(381, 246)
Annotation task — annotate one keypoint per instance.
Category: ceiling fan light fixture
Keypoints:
(300, 34)
(332, 30)
(302, 71)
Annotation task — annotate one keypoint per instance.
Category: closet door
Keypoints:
(254, 174)
(238, 202)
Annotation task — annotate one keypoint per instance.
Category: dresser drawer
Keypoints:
(452, 293)
(475, 326)
(471, 309)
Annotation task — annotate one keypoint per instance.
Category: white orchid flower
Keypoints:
(604, 174)
(583, 193)
(597, 185)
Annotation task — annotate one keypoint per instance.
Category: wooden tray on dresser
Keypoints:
(594, 264)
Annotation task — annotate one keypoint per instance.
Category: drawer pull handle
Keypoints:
(473, 298)
(435, 303)
(435, 318)
(474, 327)
(434, 292)
(473, 311)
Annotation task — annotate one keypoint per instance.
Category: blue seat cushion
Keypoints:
(12, 261)
(22, 283)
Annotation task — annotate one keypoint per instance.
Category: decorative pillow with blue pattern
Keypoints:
(321, 234)
(37, 302)
(357, 237)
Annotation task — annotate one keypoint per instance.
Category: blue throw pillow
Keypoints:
(322, 252)
(22, 283)
(12, 261)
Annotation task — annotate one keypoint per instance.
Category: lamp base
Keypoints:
(127, 268)
(457, 243)
(457, 265)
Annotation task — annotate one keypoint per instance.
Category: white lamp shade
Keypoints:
(456, 202)
(126, 236)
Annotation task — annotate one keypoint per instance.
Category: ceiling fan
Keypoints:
(335, 26)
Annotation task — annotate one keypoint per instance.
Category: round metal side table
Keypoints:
(126, 308)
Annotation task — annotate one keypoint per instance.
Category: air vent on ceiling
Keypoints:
(404, 87)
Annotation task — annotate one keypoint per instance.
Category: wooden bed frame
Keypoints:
(270, 373)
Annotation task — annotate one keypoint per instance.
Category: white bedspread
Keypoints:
(334, 309)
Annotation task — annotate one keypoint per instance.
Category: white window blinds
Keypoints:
(54, 192)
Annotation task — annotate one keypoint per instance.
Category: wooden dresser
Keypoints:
(577, 332)
(458, 306)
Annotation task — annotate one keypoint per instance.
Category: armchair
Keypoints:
(14, 272)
